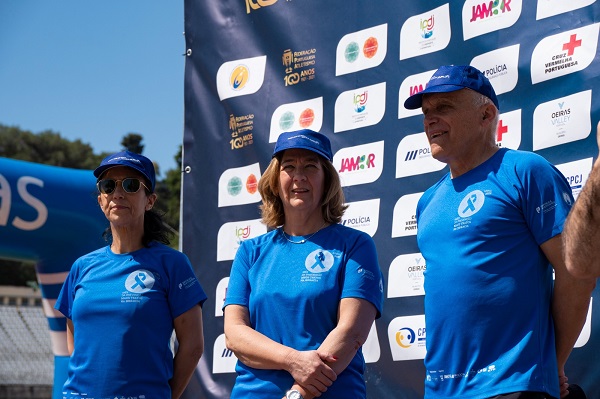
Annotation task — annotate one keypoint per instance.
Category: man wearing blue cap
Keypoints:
(497, 326)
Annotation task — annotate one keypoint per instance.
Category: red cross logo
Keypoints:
(570, 46)
(501, 130)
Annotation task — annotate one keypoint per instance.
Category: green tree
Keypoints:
(133, 142)
(47, 148)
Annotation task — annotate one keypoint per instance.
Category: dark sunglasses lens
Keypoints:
(107, 186)
(131, 185)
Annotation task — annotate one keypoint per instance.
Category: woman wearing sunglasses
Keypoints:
(123, 301)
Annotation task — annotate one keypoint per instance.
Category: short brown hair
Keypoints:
(332, 203)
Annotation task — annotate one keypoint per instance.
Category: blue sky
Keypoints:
(95, 71)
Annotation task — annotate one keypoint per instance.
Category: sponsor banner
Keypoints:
(481, 16)
(564, 53)
(509, 130)
(413, 157)
(360, 107)
(371, 349)
(220, 292)
(241, 77)
(363, 216)
(586, 331)
(223, 359)
(406, 273)
(550, 8)
(577, 173)
(231, 235)
(425, 33)
(501, 67)
(360, 164)
(412, 85)
(562, 120)
(239, 186)
(306, 114)
(407, 338)
(257, 68)
(361, 50)
(404, 221)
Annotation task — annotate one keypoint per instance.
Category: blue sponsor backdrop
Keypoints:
(257, 67)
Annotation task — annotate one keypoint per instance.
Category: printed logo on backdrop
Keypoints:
(360, 107)
(290, 117)
(562, 120)
(241, 130)
(407, 337)
(406, 271)
(220, 293)
(371, 350)
(361, 50)
(425, 33)
(360, 164)
(564, 53)
(508, 134)
(483, 16)
(501, 67)
(413, 156)
(299, 65)
(404, 221)
(412, 85)
(239, 186)
(241, 77)
(231, 235)
(223, 359)
(550, 8)
(576, 173)
(363, 216)
(253, 5)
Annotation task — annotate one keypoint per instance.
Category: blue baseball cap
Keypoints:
(305, 139)
(131, 160)
(450, 78)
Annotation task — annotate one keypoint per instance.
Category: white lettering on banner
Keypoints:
(576, 173)
(501, 67)
(563, 120)
(406, 271)
(564, 53)
(413, 157)
(35, 203)
(363, 216)
(404, 222)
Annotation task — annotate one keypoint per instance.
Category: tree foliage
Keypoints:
(133, 142)
(47, 148)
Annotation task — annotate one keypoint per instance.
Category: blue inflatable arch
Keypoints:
(49, 215)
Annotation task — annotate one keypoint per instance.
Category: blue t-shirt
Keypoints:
(488, 285)
(122, 307)
(292, 292)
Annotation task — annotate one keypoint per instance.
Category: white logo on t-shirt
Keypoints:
(318, 261)
(471, 204)
(139, 281)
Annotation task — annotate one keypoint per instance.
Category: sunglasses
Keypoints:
(130, 185)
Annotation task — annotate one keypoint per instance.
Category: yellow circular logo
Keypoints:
(239, 77)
